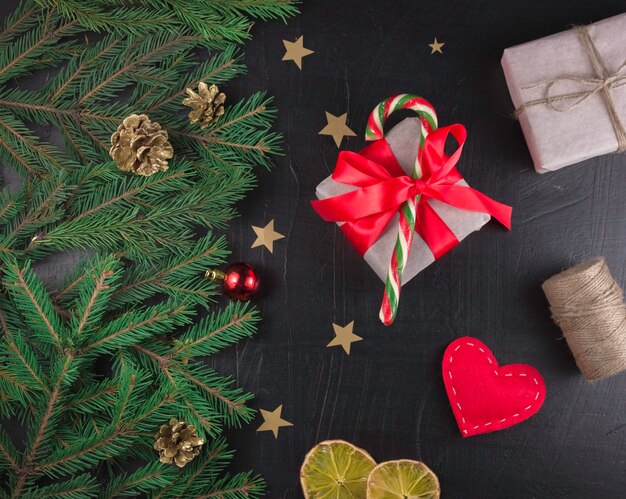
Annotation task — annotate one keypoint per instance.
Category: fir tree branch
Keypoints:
(26, 148)
(84, 65)
(158, 278)
(210, 76)
(75, 488)
(99, 287)
(11, 379)
(8, 337)
(261, 147)
(21, 161)
(120, 409)
(146, 324)
(8, 450)
(247, 489)
(26, 467)
(7, 208)
(105, 392)
(233, 406)
(129, 194)
(215, 21)
(82, 451)
(210, 463)
(28, 367)
(78, 419)
(146, 479)
(34, 298)
(204, 421)
(93, 296)
(130, 64)
(249, 114)
(74, 455)
(71, 286)
(43, 206)
(235, 324)
(167, 365)
(46, 36)
(13, 27)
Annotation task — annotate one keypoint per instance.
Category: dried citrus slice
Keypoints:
(402, 479)
(335, 469)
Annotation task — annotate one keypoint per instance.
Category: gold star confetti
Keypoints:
(436, 46)
(295, 51)
(344, 337)
(265, 236)
(337, 127)
(272, 421)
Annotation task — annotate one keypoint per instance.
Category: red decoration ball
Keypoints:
(240, 281)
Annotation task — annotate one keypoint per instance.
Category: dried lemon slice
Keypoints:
(402, 479)
(335, 469)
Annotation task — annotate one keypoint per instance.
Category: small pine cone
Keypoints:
(206, 106)
(178, 442)
(140, 146)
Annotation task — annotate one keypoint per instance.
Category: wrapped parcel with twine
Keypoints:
(401, 201)
(588, 305)
(569, 92)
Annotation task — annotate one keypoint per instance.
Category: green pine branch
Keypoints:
(74, 423)
(31, 299)
(82, 426)
(83, 101)
(106, 209)
(75, 488)
(216, 21)
(147, 479)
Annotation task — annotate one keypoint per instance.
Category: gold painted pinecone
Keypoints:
(140, 146)
(178, 442)
(206, 106)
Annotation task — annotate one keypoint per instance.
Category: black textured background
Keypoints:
(388, 396)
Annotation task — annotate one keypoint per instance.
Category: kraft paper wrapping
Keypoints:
(404, 140)
(561, 138)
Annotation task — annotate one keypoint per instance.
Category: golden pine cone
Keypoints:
(140, 146)
(178, 442)
(207, 105)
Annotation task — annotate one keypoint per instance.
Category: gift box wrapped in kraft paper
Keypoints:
(404, 140)
(569, 92)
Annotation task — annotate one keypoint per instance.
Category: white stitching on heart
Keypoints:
(528, 408)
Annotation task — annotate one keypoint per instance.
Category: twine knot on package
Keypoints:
(604, 83)
(588, 305)
(569, 92)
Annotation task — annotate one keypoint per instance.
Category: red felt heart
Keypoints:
(486, 397)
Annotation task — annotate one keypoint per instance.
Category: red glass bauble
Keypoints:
(240, 281)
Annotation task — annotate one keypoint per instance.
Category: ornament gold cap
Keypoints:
(215, 275)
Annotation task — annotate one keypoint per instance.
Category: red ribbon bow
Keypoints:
(383, 186)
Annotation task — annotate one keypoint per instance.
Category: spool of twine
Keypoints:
(588, 305)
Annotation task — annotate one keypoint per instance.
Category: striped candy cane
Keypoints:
(406, 229)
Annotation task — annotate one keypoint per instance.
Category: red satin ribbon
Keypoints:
(383, 186)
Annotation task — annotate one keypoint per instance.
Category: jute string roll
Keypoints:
(588, 305)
